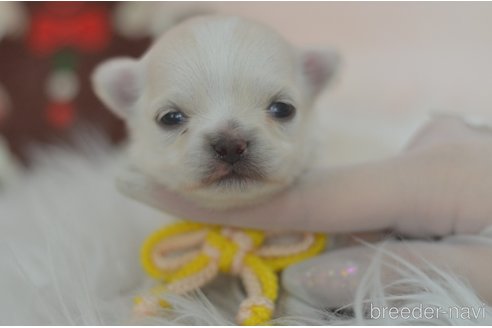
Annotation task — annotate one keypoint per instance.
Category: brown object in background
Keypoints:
(85, 32)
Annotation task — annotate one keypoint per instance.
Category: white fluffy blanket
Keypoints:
(69, 255)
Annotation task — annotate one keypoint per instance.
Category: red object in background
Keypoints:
(60, 115)
(35, 116)
(80, 25)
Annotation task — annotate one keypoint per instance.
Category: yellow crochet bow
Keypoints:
(186, 255)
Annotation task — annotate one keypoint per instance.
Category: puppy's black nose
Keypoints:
(230, 150)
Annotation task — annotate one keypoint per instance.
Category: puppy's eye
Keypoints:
(281, 110)
(171, 119)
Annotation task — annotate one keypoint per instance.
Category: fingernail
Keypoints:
(329, 281)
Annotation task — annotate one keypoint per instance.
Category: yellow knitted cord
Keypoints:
(185, 256)
(154, 239)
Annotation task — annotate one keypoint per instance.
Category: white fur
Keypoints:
(219, 71)
(69, 251)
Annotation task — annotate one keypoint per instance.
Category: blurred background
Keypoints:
(401, 61)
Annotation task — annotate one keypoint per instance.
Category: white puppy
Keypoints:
(218, 108)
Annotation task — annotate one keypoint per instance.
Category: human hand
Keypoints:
(450, 160)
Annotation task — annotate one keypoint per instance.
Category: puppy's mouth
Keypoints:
(233, 175)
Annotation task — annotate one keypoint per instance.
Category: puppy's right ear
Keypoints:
(118, 83)
(319, 66)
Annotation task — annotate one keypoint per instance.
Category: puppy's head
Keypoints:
(217, 109)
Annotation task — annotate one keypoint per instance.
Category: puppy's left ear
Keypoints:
(318, 67)
(118, 83)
